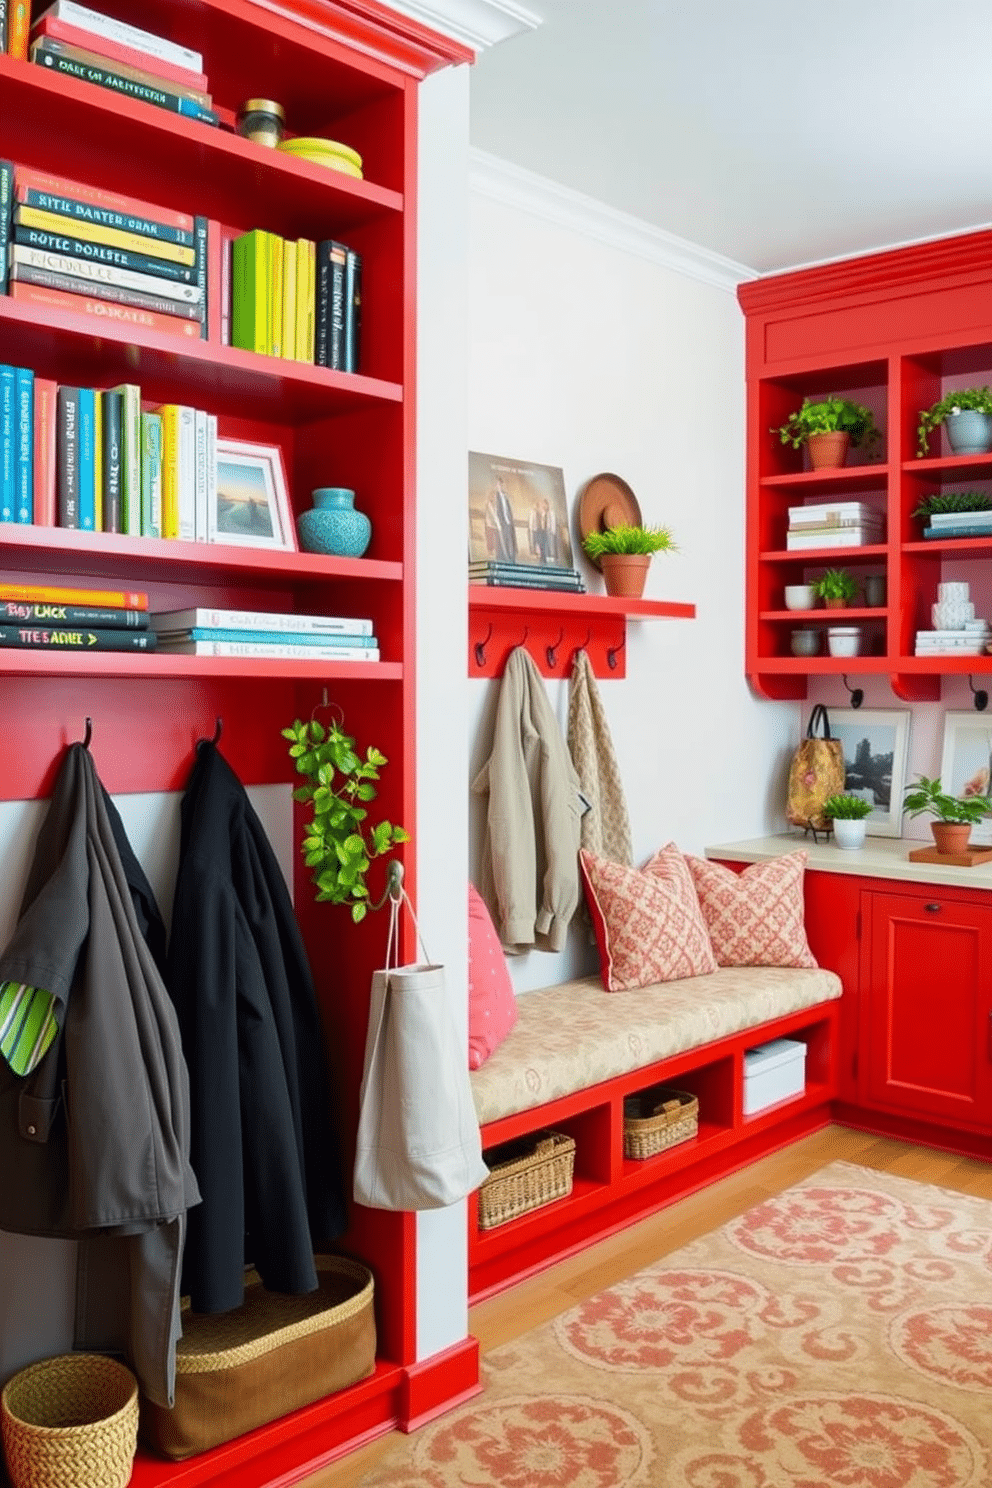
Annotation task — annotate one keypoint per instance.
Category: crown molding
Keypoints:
(513, 186)
(475, 23)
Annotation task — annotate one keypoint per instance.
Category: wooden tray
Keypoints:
(967, 859)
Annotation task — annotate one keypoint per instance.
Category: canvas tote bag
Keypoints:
(816, 773)
(419, 1145)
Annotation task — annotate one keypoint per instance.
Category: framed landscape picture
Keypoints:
(250, 506)
(875, 745)
(517, 513)
(966, 763)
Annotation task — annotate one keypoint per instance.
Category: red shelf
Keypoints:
(812, 482)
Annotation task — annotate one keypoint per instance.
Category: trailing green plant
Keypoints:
(624, 539)
(836, 583)
(953, 501)
(929, 796)
(336, 844)
(847, 808)
(963, 400)
(829, 416)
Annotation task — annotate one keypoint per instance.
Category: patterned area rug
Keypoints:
(840, 1333)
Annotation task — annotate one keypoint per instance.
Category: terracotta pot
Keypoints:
(828, 451)
(835, 604)
(625, 573)
(951, 837)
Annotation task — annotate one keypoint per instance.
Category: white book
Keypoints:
(187, 474)
(843, 537)
(271, 649)
(961, 519)
(200, 494)
(211, 533)
(89, 271)
(828, 510)
(206, 618)
(133, 36)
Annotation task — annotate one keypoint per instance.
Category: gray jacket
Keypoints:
(94, 1142)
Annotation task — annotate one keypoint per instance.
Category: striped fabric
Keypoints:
(27, 1025)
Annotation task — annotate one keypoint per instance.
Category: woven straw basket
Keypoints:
(657, 1118)
(525, 1174)
(70, 1422)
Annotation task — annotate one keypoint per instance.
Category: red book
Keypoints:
(112, 201)
(90, 41)
(105, 310)
(44, 452)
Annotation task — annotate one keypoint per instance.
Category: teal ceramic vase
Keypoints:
(969, 432)
(332, 525)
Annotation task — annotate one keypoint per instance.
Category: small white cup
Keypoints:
(843, 640)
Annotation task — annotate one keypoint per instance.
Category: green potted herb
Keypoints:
(336, 844)
(829, 426)
(954, 815)
(946, 503)
(847, 814)
(837, 588)
(624, 553)
(967, 413)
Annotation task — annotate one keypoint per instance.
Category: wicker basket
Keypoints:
(70, 1421)
(657, 1118)
(524, 1175)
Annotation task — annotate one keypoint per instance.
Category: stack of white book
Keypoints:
(208, 632)
(959, 524)
(834, 524)
(970, 640)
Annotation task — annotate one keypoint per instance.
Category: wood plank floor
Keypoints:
(517, 1310)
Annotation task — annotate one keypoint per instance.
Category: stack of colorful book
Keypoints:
(78, 42)
(525, 576)
(78, 248)
(959, 524)
(283, 636)
(834, 524)
(40, 617)
(296, 298)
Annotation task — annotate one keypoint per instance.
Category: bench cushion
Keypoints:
(575, 1035)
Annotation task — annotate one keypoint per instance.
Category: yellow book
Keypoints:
(170, 469)
(275, 294)
(98, 461)
(96, 232)
(289, 300)
(302, 281)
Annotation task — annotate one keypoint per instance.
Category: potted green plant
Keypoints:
(848, 815)
(624, 553)
(336, 844)
(947, 503)
(829, 427)
(954, 815)
(967, 413)
(837, 588)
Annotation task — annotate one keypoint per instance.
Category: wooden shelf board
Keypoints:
(482, 597)
(832, 556)
(822, 617)
(803, 666)
(977, 465)
(849, 478)
(949, 544)
(43, 662)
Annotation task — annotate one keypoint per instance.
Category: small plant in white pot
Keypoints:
(848, 816)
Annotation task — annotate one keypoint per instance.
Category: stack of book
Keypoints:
(525, 576)
(39, 617)
(210, 632)
(834, 524)
(72, 39)
(69, 247)
(959, 524)
(970, 640)
(296, 298)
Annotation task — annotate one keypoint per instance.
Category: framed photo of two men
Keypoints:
(517, 513)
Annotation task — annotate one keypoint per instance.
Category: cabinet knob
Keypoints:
(933, 909)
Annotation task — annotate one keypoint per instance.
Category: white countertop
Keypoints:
(881, 857)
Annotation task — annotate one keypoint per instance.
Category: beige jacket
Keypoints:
(530, 874)
(606, 825)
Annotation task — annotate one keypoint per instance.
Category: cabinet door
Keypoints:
(927, 1006)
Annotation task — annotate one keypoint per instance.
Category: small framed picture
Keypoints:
(249, 505)
(517, 513)
(875, 746)
(966, 763)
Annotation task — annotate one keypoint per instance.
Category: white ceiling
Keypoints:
(772, 132)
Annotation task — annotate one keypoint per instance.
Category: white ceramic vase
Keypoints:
(849, 833)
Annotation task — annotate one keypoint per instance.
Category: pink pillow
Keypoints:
(647, 921)
(492, 1007)
(755, 918)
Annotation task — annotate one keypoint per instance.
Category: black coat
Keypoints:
(262, 1145)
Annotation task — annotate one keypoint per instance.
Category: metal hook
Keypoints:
(218, 730)
(325, 704)
(980, 695)
(394, 883)
(480, 647)
(89, 733)
(526, 634)
(552, 651)
(857, 694)
(584, 643)
(612, 652)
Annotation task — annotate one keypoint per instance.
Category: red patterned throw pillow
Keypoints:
(492, 1006)
(755, 918)
(647, 921)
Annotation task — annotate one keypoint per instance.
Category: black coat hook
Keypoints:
(480, 647)
(857, 694)
(218, 730)
(980, 695)
(89, 733)
(551, 652)
(612, 652)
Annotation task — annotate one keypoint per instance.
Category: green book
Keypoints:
(151, 475)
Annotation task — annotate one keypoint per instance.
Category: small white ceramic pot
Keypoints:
(843, 640)
(799, 596)
(848, 833)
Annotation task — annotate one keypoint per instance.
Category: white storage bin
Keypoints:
(773, 1072)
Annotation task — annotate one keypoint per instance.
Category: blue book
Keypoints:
(24, 444)
(8, 483)
(87, 464)
(275, 637)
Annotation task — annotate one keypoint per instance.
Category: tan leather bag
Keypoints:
(816, 774)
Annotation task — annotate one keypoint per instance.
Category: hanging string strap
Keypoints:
(393, 938)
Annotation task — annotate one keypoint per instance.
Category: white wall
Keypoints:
(592, 356)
